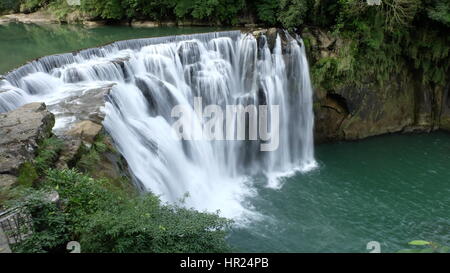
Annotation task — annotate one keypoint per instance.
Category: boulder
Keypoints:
(87, 104)
(72, 151)
(86, 130)
(7, 181)
(143, 23)
(38, 17)
(22, 130)
(93, 24)
(272, 34)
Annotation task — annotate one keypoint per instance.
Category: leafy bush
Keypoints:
(145, 225)
(91, 157)
(266, 11)
(50, 229)
(292, 12)
(47, 153)
(9, 5)
(32, 5)
(27, 174)
(106, 219)
(440, 11)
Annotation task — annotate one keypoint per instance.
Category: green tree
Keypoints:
(105, 218)
(439, 10)
(266, 11)
(293, 13)
(105, 9)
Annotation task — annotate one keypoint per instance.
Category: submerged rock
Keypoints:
(21, 131)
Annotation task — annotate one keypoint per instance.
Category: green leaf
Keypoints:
(427, 250)
(419, 243)
(408, 251)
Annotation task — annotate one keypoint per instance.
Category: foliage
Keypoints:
(9, 5)
(439, 11)
(266, 11)
(105, 219)
(421, 246)
(224, 11)
(106, 9)
(32, 5)
(48, 226)
(61, 9)
(27, 174)
(92, 157)
(292, 12)
(385, 41)
(47, 153)
(144, 225)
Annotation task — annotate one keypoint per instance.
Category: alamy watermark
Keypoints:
(74, 247)
(238, 122)
(374, 247)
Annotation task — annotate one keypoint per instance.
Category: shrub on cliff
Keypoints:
(9, 6)
(105, 219)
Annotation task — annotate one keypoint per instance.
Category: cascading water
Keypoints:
(149, 77)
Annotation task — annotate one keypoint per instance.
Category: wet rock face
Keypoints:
(271, 35)
(445, 112)
(352, 112)
(87, 104)
(21, 131)
(402, 105)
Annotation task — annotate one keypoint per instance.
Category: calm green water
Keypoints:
(390, 189)
(20, 43)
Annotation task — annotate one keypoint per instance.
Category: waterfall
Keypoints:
(149, 77)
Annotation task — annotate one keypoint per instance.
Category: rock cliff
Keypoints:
(21, 131)
(351, 111)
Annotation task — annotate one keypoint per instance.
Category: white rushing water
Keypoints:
(151, 76)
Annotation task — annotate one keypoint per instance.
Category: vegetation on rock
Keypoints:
(103, 218)
(98, 204)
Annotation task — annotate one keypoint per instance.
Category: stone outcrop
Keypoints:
(38, 17)
(86, 105)
(7, 181)
(444, 117)
(352, 112)
(21, 131)
(85, 130)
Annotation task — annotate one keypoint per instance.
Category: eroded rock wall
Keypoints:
(351, 111)
(21, 130)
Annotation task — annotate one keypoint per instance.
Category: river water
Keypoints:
(20, 43)
(391, 189)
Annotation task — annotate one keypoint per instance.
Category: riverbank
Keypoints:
(46, 17)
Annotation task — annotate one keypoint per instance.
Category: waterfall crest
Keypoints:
(148, 77)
